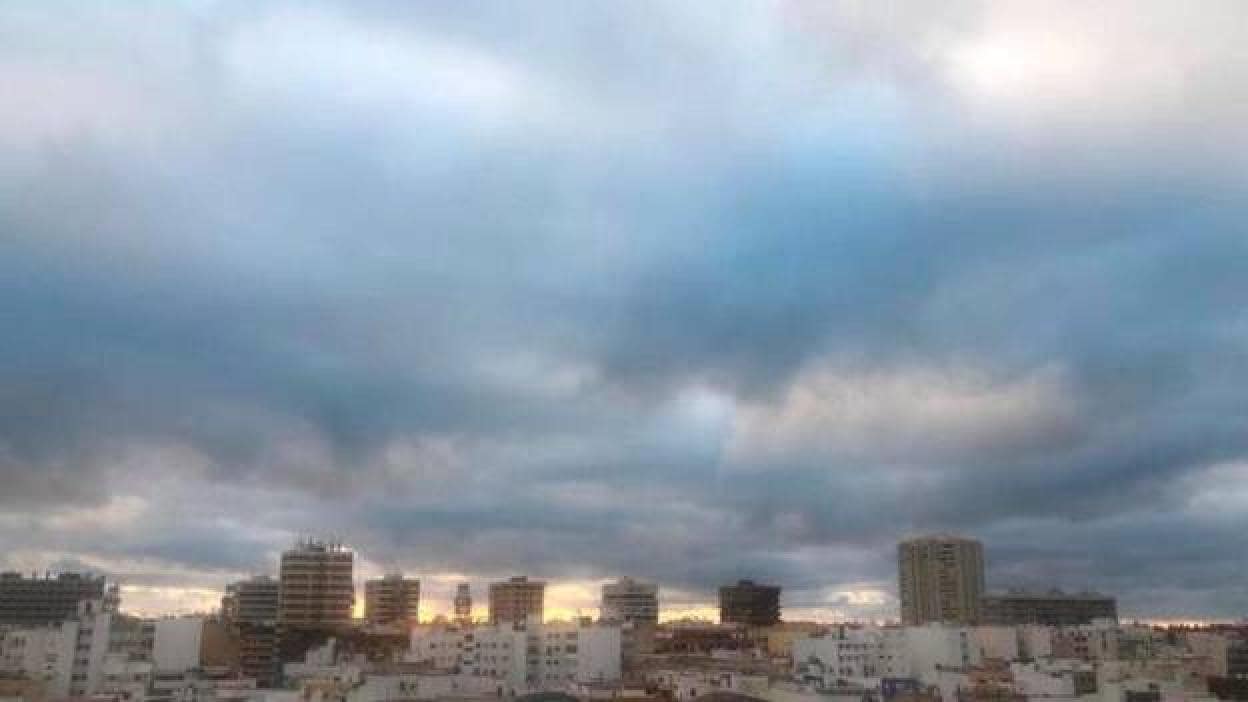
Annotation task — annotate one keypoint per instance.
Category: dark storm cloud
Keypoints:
(687, 294)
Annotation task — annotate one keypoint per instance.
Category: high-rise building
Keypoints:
(36, 601)
(940, 579)
(517, 600)
(392, 599)
(317, 588)
(250, 608)
(749, 604)
(628, 600)
(1047, 608)
(463, 604)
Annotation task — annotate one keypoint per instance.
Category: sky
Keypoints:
(690, 292)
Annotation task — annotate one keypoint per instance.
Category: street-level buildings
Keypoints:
(549, 656)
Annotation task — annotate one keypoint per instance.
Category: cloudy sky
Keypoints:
(687, 291)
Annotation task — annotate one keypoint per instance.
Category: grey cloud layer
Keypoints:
(683, 293)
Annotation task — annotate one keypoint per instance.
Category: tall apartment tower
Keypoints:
(250, 609)
(463, 604)
(50, 600)
(628, 600)
(517, 600)
(750, 604)
(317, 588)
(940, 579)
(392, 599)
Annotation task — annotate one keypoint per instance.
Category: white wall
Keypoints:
(1000, 642)
(598, 654)
(937, 646)
(177, 643)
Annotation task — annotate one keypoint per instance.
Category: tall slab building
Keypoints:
(317, 585)
(463, 604)
(940, 579)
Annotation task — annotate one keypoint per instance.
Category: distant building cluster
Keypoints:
(292, 638)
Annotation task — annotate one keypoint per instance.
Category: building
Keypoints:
(97, 651)
(629, 600)
(463, 604)
(392, 600)
(252, 601)
(853, 654)
(526, 658)
(250, 609)
(316, 589)
(177, 643)
(940, 579)
(206, 684)
(517, 600)
(316, 597)
(35, 601)
(697, 637)
(1051, 608)
(750, 604)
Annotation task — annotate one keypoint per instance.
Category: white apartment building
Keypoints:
(550, 656)
(690, 684)
(853, 655)
(34, 652)
(96, 652)
(124, 678)
(84, 644)
(200, 685)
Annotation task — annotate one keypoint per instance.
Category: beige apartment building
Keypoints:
(317, 590)
(940, 579)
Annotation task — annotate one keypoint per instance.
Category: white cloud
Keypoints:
(904, 413)
(322, 59)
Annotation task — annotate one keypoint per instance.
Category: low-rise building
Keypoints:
(550, 656)
(1046, 608)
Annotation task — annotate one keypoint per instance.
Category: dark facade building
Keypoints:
(36, 601)
(250, 609)
(463, 604)
(749, 604)
(392, 600)
(517, 600)
(696, 638)
(1050, 608)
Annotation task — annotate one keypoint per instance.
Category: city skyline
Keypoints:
(636, 596)
(692, 292)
